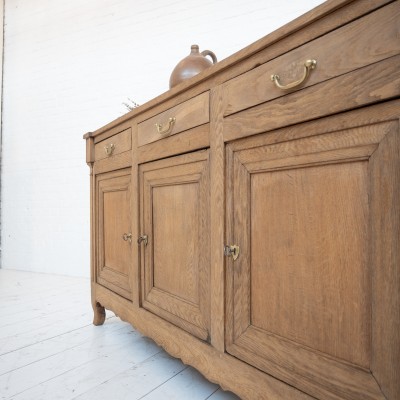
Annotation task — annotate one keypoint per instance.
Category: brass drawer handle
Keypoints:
(167, 129)
(127, 237)
(109, 149)
(309, 65)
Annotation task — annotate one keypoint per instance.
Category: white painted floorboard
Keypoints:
(50, 350)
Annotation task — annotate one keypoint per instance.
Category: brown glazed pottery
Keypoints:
(191, 65)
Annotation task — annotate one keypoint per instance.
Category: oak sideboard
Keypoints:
(248, 220)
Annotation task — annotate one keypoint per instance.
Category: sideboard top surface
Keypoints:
(246, 58)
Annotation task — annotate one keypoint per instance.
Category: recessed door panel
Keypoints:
(304, 297)
(175, 261)
(176, 220)
(309, 277)
(114, 241)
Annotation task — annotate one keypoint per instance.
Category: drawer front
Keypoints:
(114, 145)
(182, 117)
(188, 141)
(365, 41)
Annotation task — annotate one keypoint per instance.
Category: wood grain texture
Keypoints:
(176, 269)
(89, 151)
(371, 115)
(346, 49)
(135, 249)
(119, 161)
(359, 142)
(176, 216)
(308, 283)
(122, 142)
(98, 310)
(299, 368)
(189, 114)
(190, 140)
(327, 259)
(385, 257)
(217, 217)
(113, 218)
(307, 187)
(113, 131)
(229, 238)
(319, 100)
(315, 23)
(99, 314)
(241, 269)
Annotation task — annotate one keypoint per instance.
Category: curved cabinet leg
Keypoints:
(99, 314)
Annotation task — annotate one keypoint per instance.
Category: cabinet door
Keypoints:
(313, 296)
(175, 260)
(113, 231)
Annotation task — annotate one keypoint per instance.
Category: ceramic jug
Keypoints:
(191, 65)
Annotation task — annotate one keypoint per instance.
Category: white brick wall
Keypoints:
(68, 66)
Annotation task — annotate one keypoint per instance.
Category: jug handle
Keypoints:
(211, 54)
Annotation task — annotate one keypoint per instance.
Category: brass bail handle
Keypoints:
(168, 129)
(109, 149)
(309, 65)
(211, 54)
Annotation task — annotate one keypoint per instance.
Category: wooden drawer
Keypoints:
(114, 145)
(184, 116)
(363, 42)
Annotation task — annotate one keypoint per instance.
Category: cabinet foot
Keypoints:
(99, 314)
